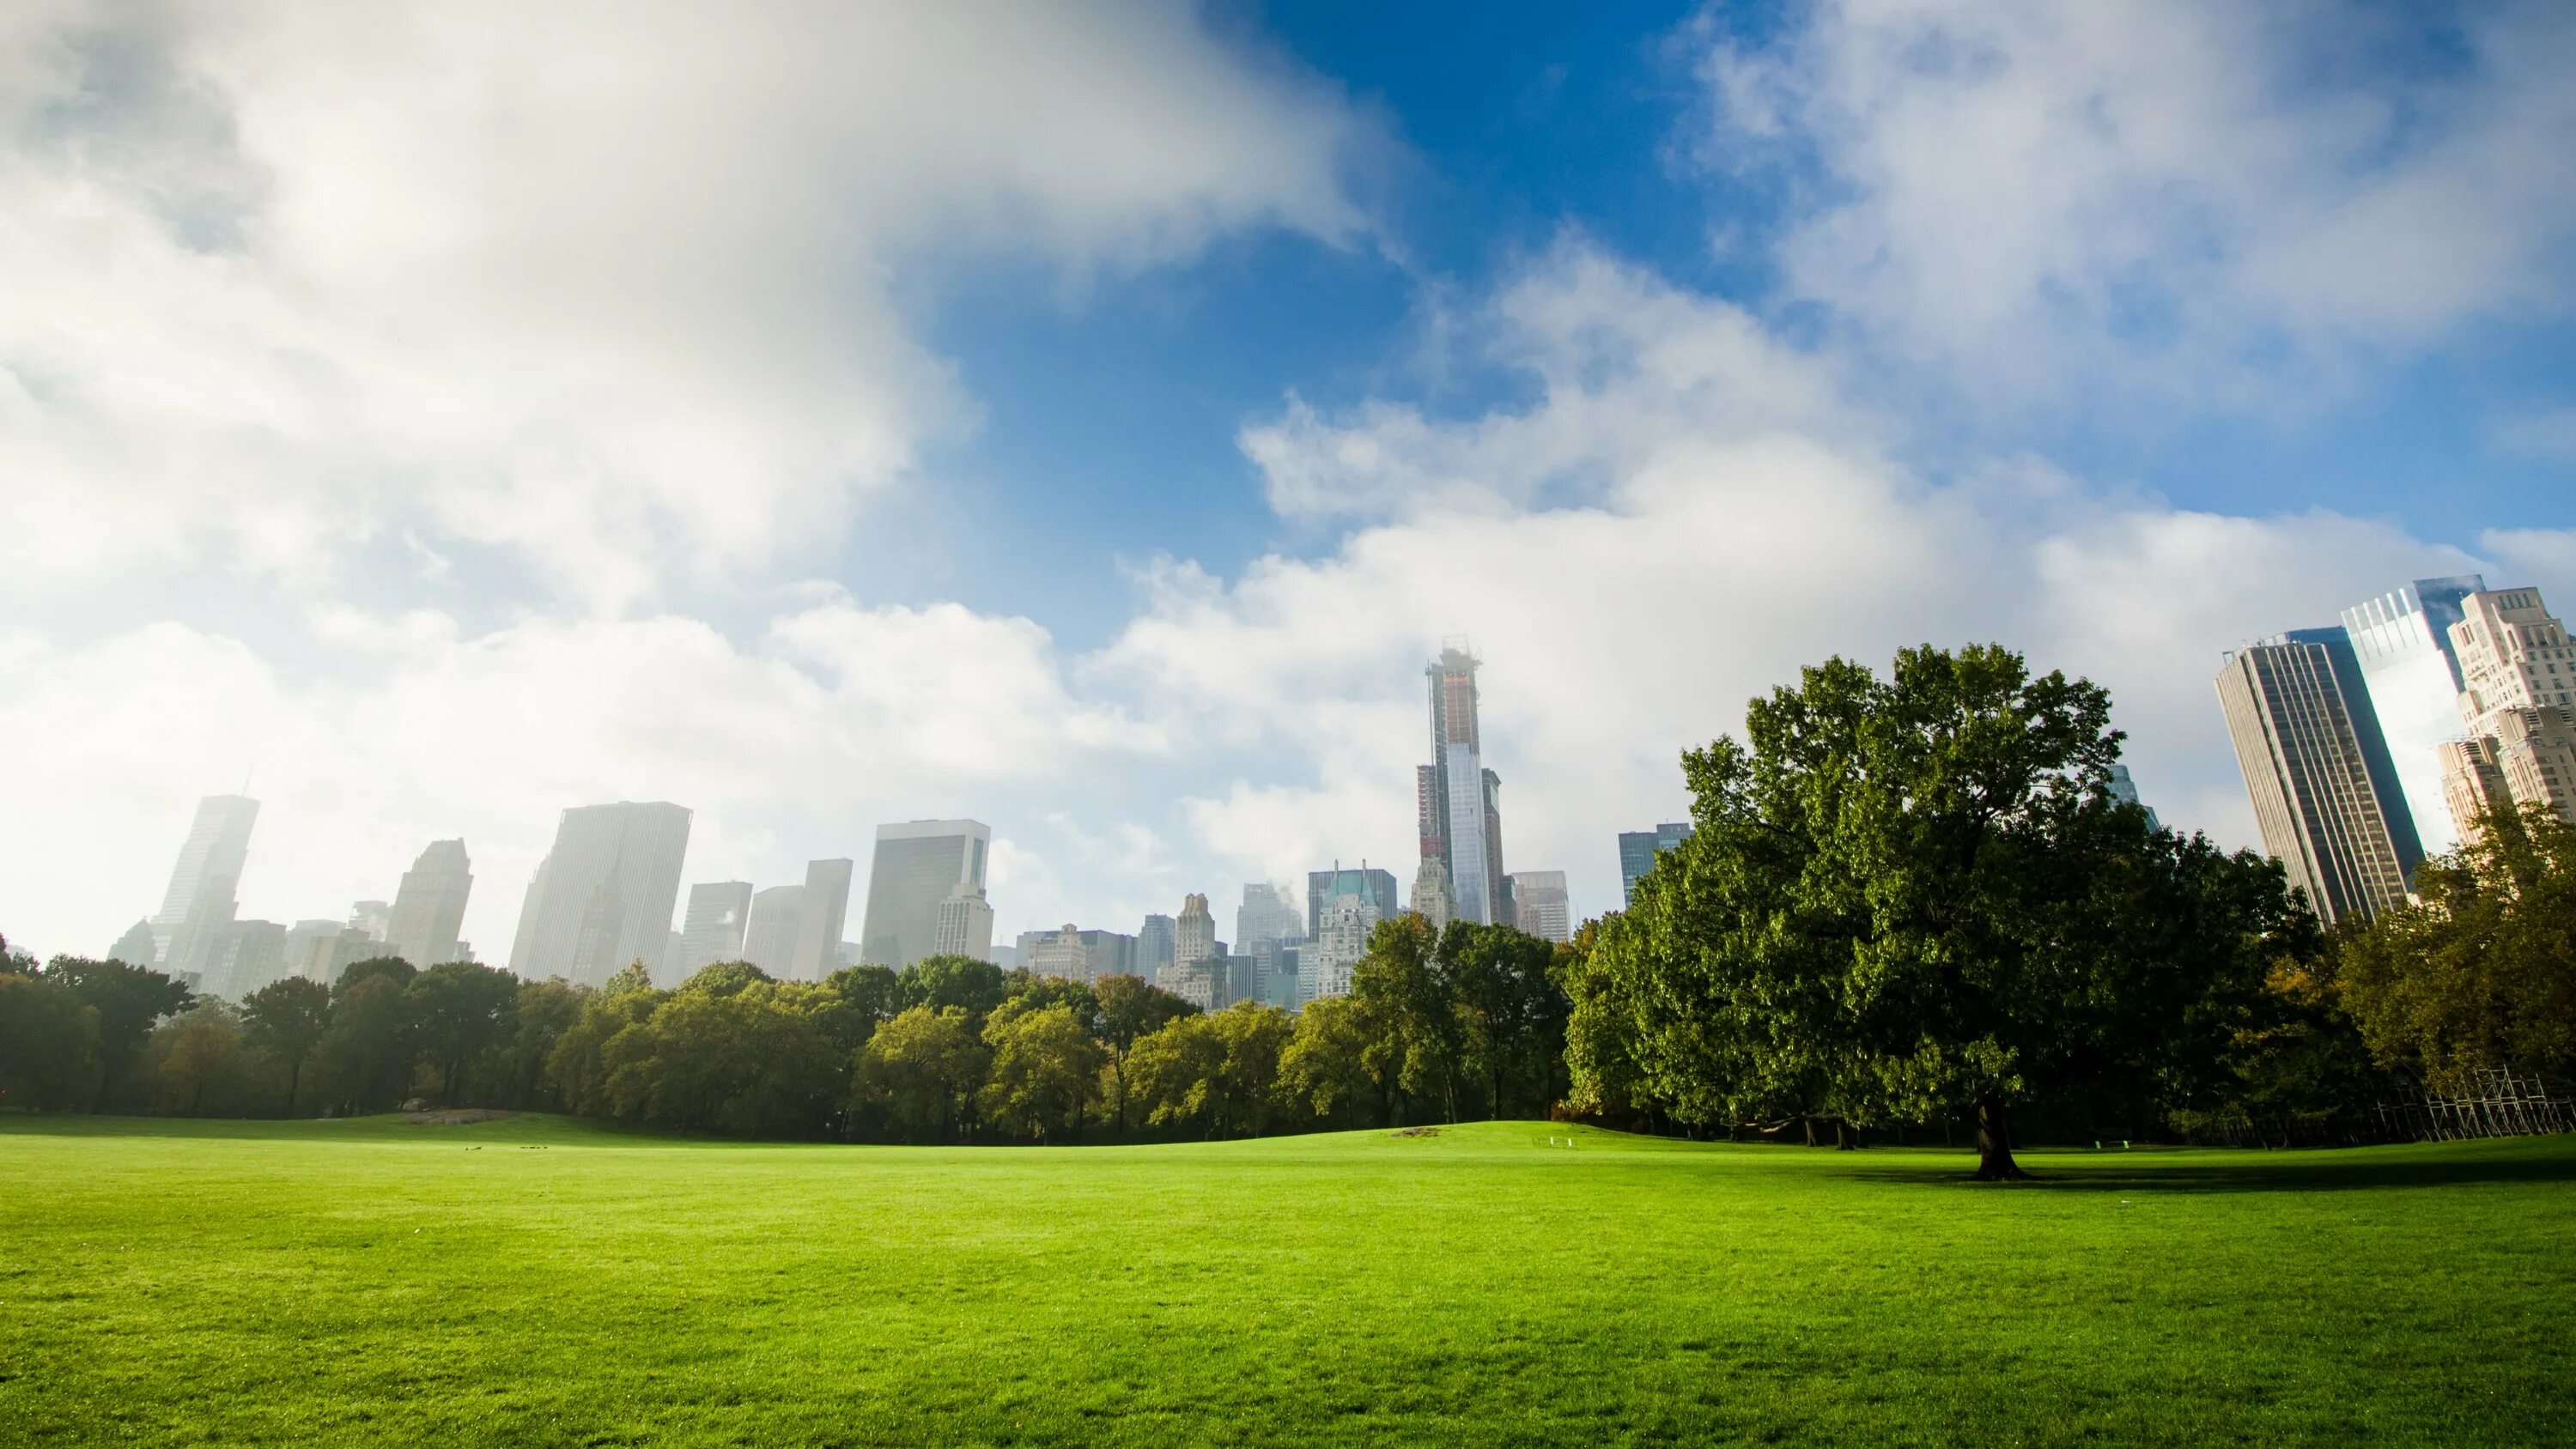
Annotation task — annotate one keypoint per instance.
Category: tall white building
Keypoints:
(712, 931)
(429, 907)
(1341, 938)
(824, 910)
(917, 865)
(2403, 642)
(777, 923)
(1193, 931)
(1458, 800)
(1540, 905)
(965, 926)
(203, 882)
(603, 896)
(2518, 704)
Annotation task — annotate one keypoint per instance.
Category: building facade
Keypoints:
(1540, 904)
(603, 897)
(917, 865)
(713, 930)
(1637, 852)
(1341, 938)
(2323, 789)
(1431, 894)
(2402, 640)
(965, 926)
(1193, 931)
(1155, 943)
(777, 924)
(1458, 802)
(820, 916)
(1267, 914)
(1322, 886)
(429, 905)
(204, 879)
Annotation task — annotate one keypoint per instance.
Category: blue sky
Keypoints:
(1088, 421)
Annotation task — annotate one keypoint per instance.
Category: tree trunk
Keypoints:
(1994, 1144)
(1810, 1124)
(1842, 1141)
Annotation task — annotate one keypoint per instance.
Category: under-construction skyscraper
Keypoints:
(1458, 799)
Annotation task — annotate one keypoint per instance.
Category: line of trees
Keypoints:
(1439, 1026)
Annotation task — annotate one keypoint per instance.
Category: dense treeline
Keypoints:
(1911, 904)
(1466, 1022)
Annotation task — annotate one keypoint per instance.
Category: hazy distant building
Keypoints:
(240, 957)
(208, 872)
(2318, 772)
(1637, 852)
(820, 915)
(2125, 790)
(1077, 954)
(713, 929)
(429, 907)
(1193, 931)
(1154, 946)
(1322, 886)
(1342, 931)
(1274, 974)
(1458, 802)
(2472, 783)
(1540, 905)
(603, 896)
(135, 947)
(777, 922)
(1431, 894)
(1010, 958)
(965, 925)
(918, 864)
(1267, 914)
(2402, 640)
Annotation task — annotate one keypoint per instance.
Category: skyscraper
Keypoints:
(712, 931)
(2513, 655)
(1341, 938)
(1323, 885)
(2125, 790)
(134, 948)
(777, 922)
(1457, 800)
(208, 872)
(1637, 852)
(1540, 905)
(965, 926)
(239, 957)
(1154, 946)
(429, 906)
(2402, 640)
(1431, 893)
(1266, 915)
(820, 916)
(2317, 768)
(1193, 931)
(603, 896)
(917, 865)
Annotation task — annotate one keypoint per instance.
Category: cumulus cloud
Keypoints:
(2187, 193)
(611, 290)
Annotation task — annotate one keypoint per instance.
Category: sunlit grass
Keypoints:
(538, 1281)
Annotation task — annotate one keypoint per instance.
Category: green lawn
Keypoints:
(536, 1281)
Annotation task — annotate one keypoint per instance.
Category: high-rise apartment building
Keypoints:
(2324, 791)
(429, 906)
(1637, 852)
(820, 915)
(965, 926)
(603, 897)
(1154, 946)
(1341, 938)
(1322, 886)
(918, 864)
(2472, 783)
(713, 930)
(1266, 915)
(1193, 931)
(2535, 752)
(1458, 801)
(777, 923)
(1540, 905)
(2518, 675)
(203, 882)
(2402, 640)
(1431, 894)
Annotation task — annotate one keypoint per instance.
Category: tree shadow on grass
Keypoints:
(2525, 1160)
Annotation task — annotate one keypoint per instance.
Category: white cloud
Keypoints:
(2180, 190)
(609, 287)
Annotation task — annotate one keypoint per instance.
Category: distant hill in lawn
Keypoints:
(540, 1280)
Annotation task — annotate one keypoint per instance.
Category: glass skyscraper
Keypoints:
(918, 864)
(1637, 851)
(1457, 800)
(2402, 640)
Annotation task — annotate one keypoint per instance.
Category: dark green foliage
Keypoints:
(941, 982)
(49, 1043)
(288, 1018)
(460, 1012)
(724, 978)
(2482, 974)
(918, 1075)
(1910, 896)
(1045, 1071)
(128, 1001)
(1130, 1009)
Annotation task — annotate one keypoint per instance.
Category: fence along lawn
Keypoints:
(537, 1281)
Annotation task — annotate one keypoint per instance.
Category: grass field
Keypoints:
(536, 1281)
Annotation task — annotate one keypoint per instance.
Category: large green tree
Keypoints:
(1914, 895)
(459, 1011)
(940, 982)
(1418, 1041)
(128, 1000)
(1511, 1013)
(1045, 1072)
(287, 1018)
(2481, 974)
(1130, 1008)
(917, 1077)
(49, 1046)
